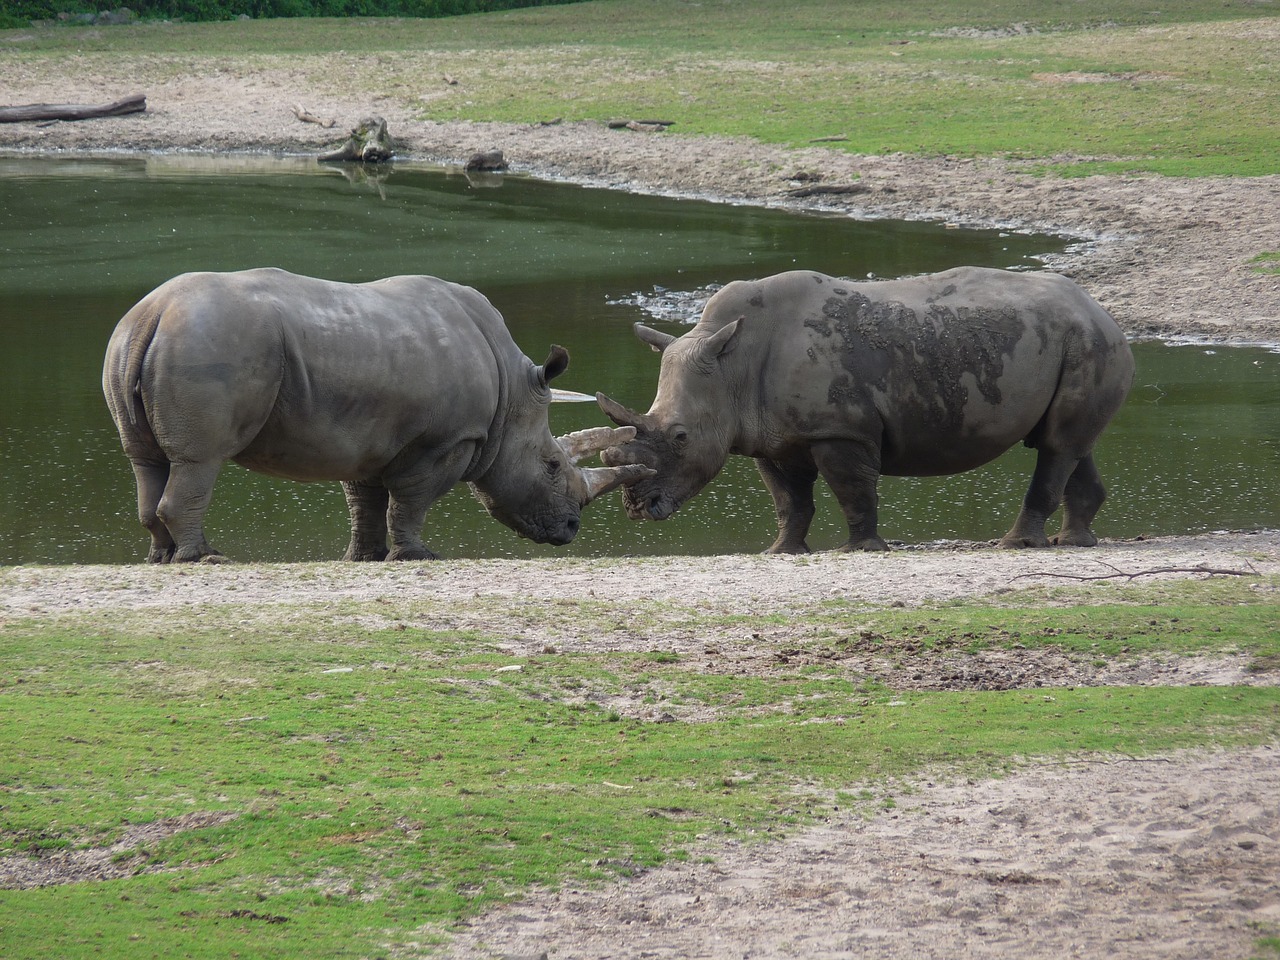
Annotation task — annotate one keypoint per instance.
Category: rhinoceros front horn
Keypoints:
(583, 443)
(598, 480)
(622, 416)
(603, 479)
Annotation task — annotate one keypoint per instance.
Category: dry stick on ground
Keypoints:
(73, 111)
(306, 116)
(1199, 568)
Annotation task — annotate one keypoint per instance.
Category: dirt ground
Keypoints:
(1168, 857)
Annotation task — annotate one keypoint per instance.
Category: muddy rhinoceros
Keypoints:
(813, 375)
(399, 388)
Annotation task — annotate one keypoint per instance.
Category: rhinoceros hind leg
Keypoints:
(1081, 501)
(852, 470)
(182, 508)
(367, 505)
(151, 478)
(1043, 497)
(790, 483)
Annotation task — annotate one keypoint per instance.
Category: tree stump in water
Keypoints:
(369, 143)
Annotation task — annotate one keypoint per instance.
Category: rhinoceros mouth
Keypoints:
(654, 506)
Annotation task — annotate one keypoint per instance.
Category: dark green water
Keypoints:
(1197, 448)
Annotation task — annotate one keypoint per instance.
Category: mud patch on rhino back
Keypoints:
(930, 359)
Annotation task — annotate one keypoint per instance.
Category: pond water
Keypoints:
(1197, 447)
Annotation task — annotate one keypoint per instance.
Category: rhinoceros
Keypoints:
(399, 388)
(813, 375)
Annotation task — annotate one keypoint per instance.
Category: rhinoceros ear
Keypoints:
(557, 363)
(722, 341)
(658, 340)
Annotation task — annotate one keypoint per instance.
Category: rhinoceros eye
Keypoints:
(680, 435)
(552, 466)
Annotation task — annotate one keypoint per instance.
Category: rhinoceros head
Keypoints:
(534, 484)
(686, 436)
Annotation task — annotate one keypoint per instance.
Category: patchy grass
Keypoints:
(1267, 263)
(385, 775)
(1181, 89)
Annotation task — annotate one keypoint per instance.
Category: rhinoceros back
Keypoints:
(304, 378)
(943, 371)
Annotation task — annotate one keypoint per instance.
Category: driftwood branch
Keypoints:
(1124, 575)
(73, 111)
(306, 116)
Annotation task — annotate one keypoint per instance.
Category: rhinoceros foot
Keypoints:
(365, 554)
(864, 545)
(1015, 542)
(1075, 538)
(201, 553)
(414, 552)
(788, 548)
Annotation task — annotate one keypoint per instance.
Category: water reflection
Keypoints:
(1197, 447)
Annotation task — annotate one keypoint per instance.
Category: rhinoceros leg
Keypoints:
(852, 470)
(405, 518)
(413, 490)
(790, 483)
(151, 478)
(182, 508)
(367, 504)
(1043, 497)
(1081, 501)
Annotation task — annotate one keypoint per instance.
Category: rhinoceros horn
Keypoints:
(583, 443)
(623, 416)
(603, 479)
(598, 480)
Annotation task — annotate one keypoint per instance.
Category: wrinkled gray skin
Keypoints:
(815, 376)
(399, 388)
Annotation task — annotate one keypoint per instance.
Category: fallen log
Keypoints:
(73, 111)
(828, 190)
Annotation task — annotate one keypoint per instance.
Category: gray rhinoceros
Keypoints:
(813, 375)
(399, 388)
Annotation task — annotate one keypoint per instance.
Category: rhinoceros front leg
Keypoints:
(413, 491)
(367, 504)
(852, 470)
(182, 507)
(790, 483)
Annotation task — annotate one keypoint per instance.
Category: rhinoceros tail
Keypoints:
(141, 332)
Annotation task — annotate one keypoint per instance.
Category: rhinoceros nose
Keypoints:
(566, 531)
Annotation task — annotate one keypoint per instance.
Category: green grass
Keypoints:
(1267, 263)
(1183, 88)
(388, 781)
